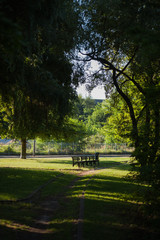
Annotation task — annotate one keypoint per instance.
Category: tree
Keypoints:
(98, 117)
(118, 125)
(124, 37)
(36, 76)
(83, 108)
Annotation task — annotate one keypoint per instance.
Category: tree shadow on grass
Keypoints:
(112, 210)
(17, 220)
(16, 183)
(116, 210)
(115, 219)
(113, 164)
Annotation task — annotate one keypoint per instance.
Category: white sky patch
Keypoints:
(96, 93)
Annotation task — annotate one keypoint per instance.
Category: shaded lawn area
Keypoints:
(113, 205)
(19, 220)
(111, 210)
(18, 183)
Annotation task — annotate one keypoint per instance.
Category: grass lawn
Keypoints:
(113, 205)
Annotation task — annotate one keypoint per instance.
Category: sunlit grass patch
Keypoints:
(58, 163)
(13, 225)
(38, 163)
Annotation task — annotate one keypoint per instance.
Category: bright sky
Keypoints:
(96, 93)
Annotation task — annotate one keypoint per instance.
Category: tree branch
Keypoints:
(120, 72)
(131, 110)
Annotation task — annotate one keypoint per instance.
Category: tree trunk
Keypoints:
(23, 148)
(34, 147)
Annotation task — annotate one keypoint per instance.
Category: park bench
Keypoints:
(82, 160)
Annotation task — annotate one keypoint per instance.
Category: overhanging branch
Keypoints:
(110, 66)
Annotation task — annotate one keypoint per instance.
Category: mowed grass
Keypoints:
(20, 177)
(111, 207)
(37, 163)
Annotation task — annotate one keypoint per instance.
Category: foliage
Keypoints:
(83, 108)
(123, 36)
(98, 118)
(36, 70)
(105, 122)
(118, 125)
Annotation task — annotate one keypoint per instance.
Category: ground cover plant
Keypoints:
(113, 205)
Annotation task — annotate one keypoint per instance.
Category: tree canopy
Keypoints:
(124, 37)
(36, 78)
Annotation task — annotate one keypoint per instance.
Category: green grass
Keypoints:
(19, 178)
(19, 183)
(113, 203)
(37, 163)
